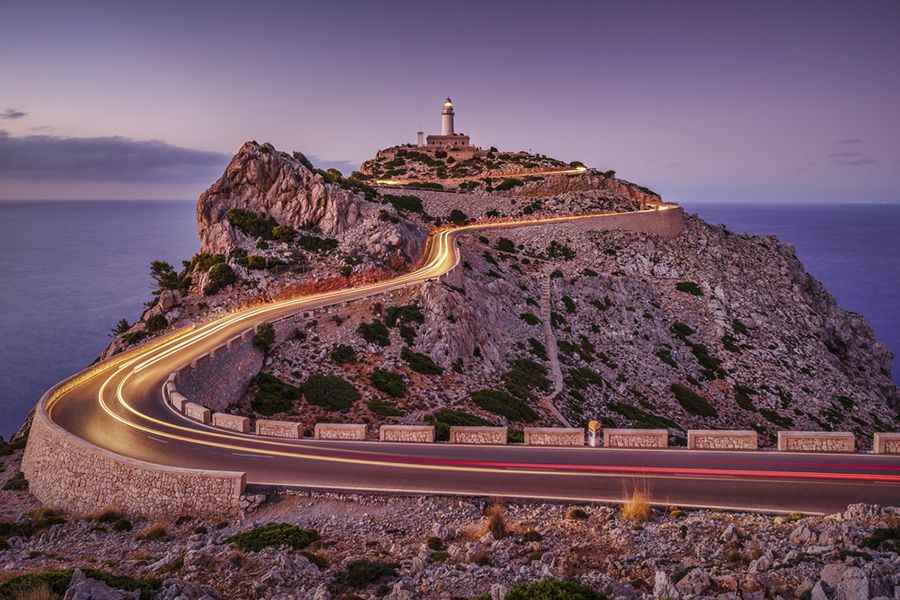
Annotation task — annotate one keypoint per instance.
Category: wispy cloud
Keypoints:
(11, 114)
(850, 141)
(844, 154)
(855, 162)
(55, 158)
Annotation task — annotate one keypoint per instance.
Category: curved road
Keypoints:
(118, 405)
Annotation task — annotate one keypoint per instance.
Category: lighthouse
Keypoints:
(447, 117)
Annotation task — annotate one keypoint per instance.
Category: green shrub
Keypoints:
(156, 323)
(122, 326)
(264, 337)
(57, 581)
(576, 514)
(704, 358)
(525, 376)
(252, 224)
(388, 382)
(665, 355)
(692, 402)
(557, 250)
(273, 396)
(739, 327)
(458, 217)
(165, 276)
(885, 539)
(537, 348)
(406, 202)
(329, 391)
(220, 275)
(383, 408)
(569, 304)
(689, 287)
(742, 396)
(343, 354)
(773, 417)
(375, 333)
(420, 363)
(274, 535)
(582, 377)
(313, 243)
(284, 233)
(552, 589)
(643, 419)
(530, 318)
(362, 572)
(730, 343)
(681, 330)
(504, 404)
(409, 313)
(505, 245)
(16, 483)
(508, 183)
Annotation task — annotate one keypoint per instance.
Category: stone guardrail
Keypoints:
(68, 473)
(280, 429)
(636, 438)
(198, 412)
(406, 433)
(554, 436)
(886, 443)
(722, 439)
(478, 435)
(232, 422)
(339, 431)
(816, 441)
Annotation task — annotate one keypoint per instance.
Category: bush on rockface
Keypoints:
(375, 333)
(406, 202)
(384, 408)
(446, 418)
(55, 582)
(689, 287)
(504, 404)
(362, 572)
(274, 535)
(329, 391)
(692, 402)
(388, 382)
(343, 354)
(156, 323)
(273, 396)
(458, 217)
(264, 337)
(220, 275)
(420, 363)
(530, 318)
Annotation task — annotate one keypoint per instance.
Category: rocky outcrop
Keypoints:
(263, 180)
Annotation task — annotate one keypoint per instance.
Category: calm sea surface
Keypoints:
(70, 270)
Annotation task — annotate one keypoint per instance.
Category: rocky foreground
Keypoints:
(333, 546)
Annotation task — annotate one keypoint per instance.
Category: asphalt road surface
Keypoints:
(118, 405)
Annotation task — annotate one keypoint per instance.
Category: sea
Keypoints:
(70, 270)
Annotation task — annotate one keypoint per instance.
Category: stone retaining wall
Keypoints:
(195, 411)
(816, 441)
(554, 436)
(406, 433)
(282, 429)
(886, 443)
(220, 378)
(67, 473)
(177, 399)
(340, 431)
(232, 422)
(722, 439)
(636, 438)
(478, 435)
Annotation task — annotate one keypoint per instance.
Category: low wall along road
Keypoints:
(79, 460)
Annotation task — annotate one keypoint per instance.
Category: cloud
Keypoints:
(45, 158)
(850, 141)
(344, 166)
(12, 114)
(844, 154)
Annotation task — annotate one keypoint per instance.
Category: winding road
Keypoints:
(118, 405)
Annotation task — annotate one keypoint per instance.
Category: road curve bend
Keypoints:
(117, 406)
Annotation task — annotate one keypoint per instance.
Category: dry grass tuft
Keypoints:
(155, 532)
(496, 521)
(637, 508)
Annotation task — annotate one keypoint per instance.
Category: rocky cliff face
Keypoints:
(264, 181)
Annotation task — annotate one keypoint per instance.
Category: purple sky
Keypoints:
(703, 101)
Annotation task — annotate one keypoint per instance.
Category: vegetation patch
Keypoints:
(681, 330)
(643, 419)
(343, 354)
(383, 408)
(665, 355)
(409, 313)
(56, 582)
(252, 224)
(265, 337)
(220, 275)
(388, 382)
(375, 333)
(530, 318)
(552, 589)
(692, 402)
(420, 363)
(273, 395)
(773, 417)
(404, 203)
(362, 572)
(525, 376)
(558, 250)
(689, 287)
(274, 535)
(885, 539)
(504, 404)
(537, 348)
(329, 391)
(743, 396)
(314, 243)
(582, 377)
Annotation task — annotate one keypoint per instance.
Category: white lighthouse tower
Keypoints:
(447, 118)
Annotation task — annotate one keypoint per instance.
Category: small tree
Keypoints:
(121, 327)
(265, 337)
(458, 217)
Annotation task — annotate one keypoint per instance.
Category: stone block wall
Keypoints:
(340, 431)
(176, 399)
(816, 441)
(282, 429)
(478, 435)
(636, 438)
(722, 439)
(218, 379)
(406, 433)
(68, 473)
(886, 443)
(232, 422)
(195, 411)
(554, 436)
